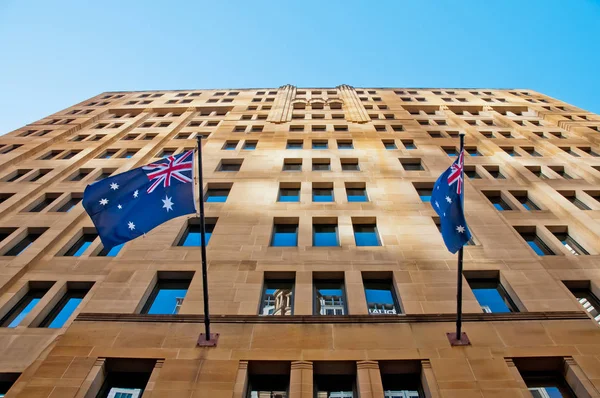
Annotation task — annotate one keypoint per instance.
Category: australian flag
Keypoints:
(447, 201)
(131, 204)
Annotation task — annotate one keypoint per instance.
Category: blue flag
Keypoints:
(131, 204)
(447, 201)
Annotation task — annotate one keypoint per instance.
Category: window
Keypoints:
(6, 382)
(356, 192)
(43, 202)
(20, 246)
(350, 164)
(344, 144)
(124, 377)
(63, 310)
(409, 144)
(340, 128)
(292, 164)
(15, 175)
(5, 196)
(534, 241)
(319, 144)
(571, 197)
(35, 291)
(525, 200)
(169, 292)
(494, 171)
(322, 192)
(424, 190)
(72, 201)
(110, 252)
(165, 153)
(249, 145)
(217, 193)
(495, 197)
(366, 234)
(294, 144)
(107, 154)
(36, 175)
(380, 295)
(285, 233)
(511, 151)
(230, 145)
(490, 294)
(321, 165)
(401, 379)
(230, 165)
(544, 377)
(289, 192)
(411, 164)
(389, 144)
(582, 290)
(81, 245)
(450, 151)
(277, 296)
(268, 379)
(192, 233)
(335, 385)
(562, 234)
(471, 173)
(329, 297)
(325, 233)
(129, 154)
(105, 174)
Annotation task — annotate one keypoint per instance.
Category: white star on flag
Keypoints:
(135, 194)
(103, 201)
(119, 207)
(448, 199)
(460, 229)
(167, 204)
(114, 186)
(131, 225)
(437, 204)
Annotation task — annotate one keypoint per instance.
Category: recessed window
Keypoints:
(572, 197)
(366, 234)
(534, 241)
(381, 297)
(110, 251)
(62, 311)
(296, 128)
(340, 128)
(494, 171)
(81, 244)
(192, 233)
(409, 144)
(277, 297)
(491, 295)
(322, 192)
(294, 144)
(80, 174)
(511, 151)
(230, 165)
(321, 165)
(451, 151)
(249, 145)
(217, 194)
(318, 127)
(350, 165)
(582, 290)
(289, 192)
(32, 235)
(15, 175)
(525, 200)
(329, 297)
(230, 145)
(495, 197)
(107, 154)
(356, 192)
(131, 152)
(401, 385)
(544, 377)
(285, 234)
(424, 190)
(411, 164)
(335, 385)
(124, 377)
(169, 293)
(292, 165)
(6, 382)
(325, 233)
(5, 196)
(471, 173)
(345, 144)
(43, 202)
(35, 291)
(562, 234)
(319, 144)
(389, 144)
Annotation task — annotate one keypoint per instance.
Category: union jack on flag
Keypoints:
(456, 174)
(171, 167)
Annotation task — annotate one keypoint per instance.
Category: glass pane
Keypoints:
(65, 312)
(323, 195)
(380, 298)
(32, 302)
(356, 195)
(329, 298)
(277, 298)
(490, 300)
(325, 235)
(289, 195)
(366, 235)
(285, 235)
(167, 300)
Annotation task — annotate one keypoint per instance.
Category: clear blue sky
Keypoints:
(55, 53)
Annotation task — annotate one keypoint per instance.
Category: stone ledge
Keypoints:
(305, 319)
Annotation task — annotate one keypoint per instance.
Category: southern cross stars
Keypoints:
(114, 186)
(135, 194)
(131, 225)
(119, 207)
(448, 199)
(103, 201)
(167, 204)
(460, 229)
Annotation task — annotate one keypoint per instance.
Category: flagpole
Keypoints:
(205, 339)
(459, 339)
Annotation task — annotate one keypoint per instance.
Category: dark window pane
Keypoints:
(81, 245)
(380, 297)
(277, 298)
(23, 308)
(538, 246)
(322, 195)
(357, 195)
(325, 235)
(65, 307)
(330, 298)
(366, 235)
(571, 244)
(289, 195)
(217, 195)
(285, 235)
(23, 244)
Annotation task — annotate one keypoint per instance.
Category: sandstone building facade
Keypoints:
(328, 276)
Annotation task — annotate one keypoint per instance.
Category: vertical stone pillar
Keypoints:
(353, 107)
(281, 112)
(355, 293)
(578, 381)
(154, 376)
(303, 302)
(368, 379)
(92, 383)
(241, 381)
(517, 376)
(428, 381)
(301, 380)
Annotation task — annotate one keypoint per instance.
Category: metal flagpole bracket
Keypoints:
(464, 339)
(211, 342)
